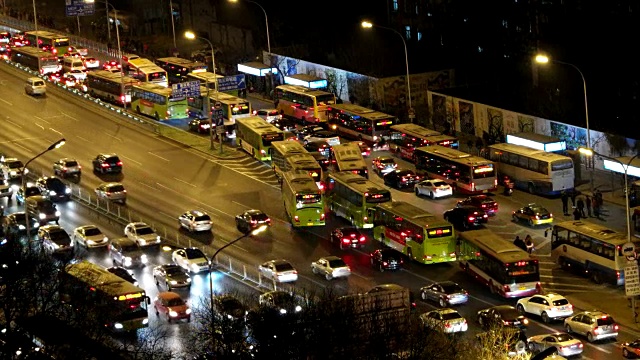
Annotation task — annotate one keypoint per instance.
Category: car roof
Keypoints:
(168, 295)
(196, 212)
(551, 296)
(471, 208)
(331, 257)
(51, 227)
(384, 158)
(124, 241)
(91, 226)
(254, 212)
(594, 313)
(138, 224)
(110, 184)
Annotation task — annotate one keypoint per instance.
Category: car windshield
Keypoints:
(174, 270)
(564, 337)
(323, 134)
(451, 316)
(440, 183)
(194, 254)
(19, 217)
(144, 231)
(14, 164)
(259, 216)
(92, 232)
(284, 267)
(55, 183)
(336, 263)
(175, 302)
(272, 112)
(112, 159)
(283, 298)
(203, 218)
(116, 188)
(32, 191)
(451, 288)
(509, 314)
(405, 173)
(388, 161)
(60, 237)
(560, 302)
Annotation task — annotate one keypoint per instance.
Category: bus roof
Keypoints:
(150, 69)
(287, 147)
(300, 181)
(227, 99)
(154, 88)
(95, 276)
(140, 62)
(46, 34)
(306, 160)
(179, 61)
(413, 214)
(302, 90)
(415, 130)
(347, 152)
(595, 231)
(455, 155)
(108, 75)
(496, 246)
(540, 138)
(362, 111)
(357, 183)
(205, 76)
(257, 124)
(33, 52)
(529, 152)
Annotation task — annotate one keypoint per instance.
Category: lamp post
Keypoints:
(255, 231)
(23, 180)
(266, 21)
(191, 36)
(173, 24)
(35, 25)
(369, 25)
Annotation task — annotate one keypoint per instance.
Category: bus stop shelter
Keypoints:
(618, 165)
(308, 81)
(258, 76)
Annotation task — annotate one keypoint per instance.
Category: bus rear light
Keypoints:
(473, 188)
(453, 254)
(366, 218)
(345, 240)
(322, 216)
(263, 152)
(495, 182)
(428, 257)
(296, 218)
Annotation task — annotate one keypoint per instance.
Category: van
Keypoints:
(72, 63)
(35, 86)
(41, 209)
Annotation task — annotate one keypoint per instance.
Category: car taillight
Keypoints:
(119, 163)
(365, 219)
(104, 165)
(485, 215)
(615, 327)
(581, 345)
(597, 330)
(345, 240)
(296, 218)
(384, 263)
(447, 324)
(471, 218)
(363, 239)
(484, 205)
(254, 221)
(453, 254)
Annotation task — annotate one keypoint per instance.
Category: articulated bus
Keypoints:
(290, 156)
(304, 104)
(122, 305)
(177, 68)
(255, 136)
(414, 232)
(505, 268)
(157, 101)
(464, 172)
(348, 157)
(57, 44)
(536, 171)
(147, 71)
(232, 107)
(28, 57)
(303, 200)
(592, 249)
(405, 138)
(107, 86)
(359, 123)
(355, 198)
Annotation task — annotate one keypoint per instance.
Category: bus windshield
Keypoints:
(378, 198)
(240, 109)
(323, 100)
(522, 272)
(308, 198)
(267, 139)
(483, 171)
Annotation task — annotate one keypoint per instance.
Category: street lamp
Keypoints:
(35, 25)
(266, 21)
(369, 25)
(53, 146)
(192, 36)
(255, 231)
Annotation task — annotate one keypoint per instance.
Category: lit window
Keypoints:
(407, 30)
(419, 35)
(395, 5)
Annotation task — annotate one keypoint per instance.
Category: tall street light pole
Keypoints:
(23, 180)
(173, 24)
(35, 26)
(266, 21)
(369, 25)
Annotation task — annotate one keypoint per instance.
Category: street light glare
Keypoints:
(233, 1)
(585, 151)
(57, 144)
(189, 35)
(542, 59)
(259, 229)
(366, 24)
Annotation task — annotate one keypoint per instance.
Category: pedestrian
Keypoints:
(576, 213)
(596, 207)
(528, 241)
(580, 206)
(574, 193)
(587, 202)
(520, 243)
(565, 203)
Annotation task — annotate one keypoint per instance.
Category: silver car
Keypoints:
(55, 239)
(330, 267)
(67, 167)
(142, 234)
(90, 236)
(171, 276)
(12, 168)
(112, 191)
(565, 344)
(126, 253)
(445, 293)
(596, 325)
(195, 220)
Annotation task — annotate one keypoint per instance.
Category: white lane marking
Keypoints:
(115, 137)
(243, 205)
(184, 182)
(147, 185)
(81, 138)
(6, 102)
(130, 159)
(40, 126)
(544, 243)
(16, 140)
(55, 131)
(13, 123)
(69, 116)
(167, 215)
(158, 156)
(22, 146)
(41, 119)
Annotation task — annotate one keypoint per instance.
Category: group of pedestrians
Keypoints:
(592, 204)
(526, 244)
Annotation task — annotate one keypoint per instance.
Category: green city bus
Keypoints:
(157, 101)
(355, 198)
(254, 135)
(291, 155)
(414, 232)
(303, 200)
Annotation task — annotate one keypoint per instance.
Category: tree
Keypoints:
(618, 144)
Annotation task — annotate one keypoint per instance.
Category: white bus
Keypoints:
(464, 172)
(205, 78)
(232, 107)
(304, 104)
(28, 56)
(536, 171)
(290, 156)
(107, 86)
(359, 123)
(592, 249)
(347, 157)
(538, 141)
(505, 268)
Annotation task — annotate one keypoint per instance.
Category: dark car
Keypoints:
(318, 146)
(401, 178)
(107, 163)
(230, 307)
(386, 259)
(53, 188)
(308, 130)
(466, 217)
(123, 273)
(23, 193)
(483, 202)
(322, 160)
(501, 315)
(200, 126)
(15, 223)
(67, 167)
(171, 276)
(251, 219)
(348, 237)
(445, 293)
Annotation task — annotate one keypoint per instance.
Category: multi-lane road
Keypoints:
(163, 179)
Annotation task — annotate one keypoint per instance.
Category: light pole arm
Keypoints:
(228, 244)
(266, 21)
(406, 60)
(584, 88)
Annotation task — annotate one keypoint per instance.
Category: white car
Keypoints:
(92, 63)
(548, 306)
(445, 320)
(142, 234)
(279, 270)
(433, 188)
(78, 74)
(12, 168)
(330, 267)
(90, 236)
(195, 220)
(269, 115)
(323, 135)
(191, 259)
(565, 344)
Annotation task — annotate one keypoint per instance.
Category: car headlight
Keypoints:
(21, 227)
(26, 171)
(188, 279)
(71, 243)
(229, 317)
(143, 258)
(52, 193)
(173, 313)
(142, 241)
(118, 326)
(173, 282)
(127, 259)
(158, 238)
(57, 213)
(13, 173)
(298, 308)
(188, 311)
(145, 321)
(42, 216)
(195, 267)
(105, 239)
(283, 311)
(67, 191)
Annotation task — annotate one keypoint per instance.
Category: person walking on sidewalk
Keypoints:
(587, 202)
(580, 206)
(565, 203)
(573, 195)
(596, 208)
(576, 213)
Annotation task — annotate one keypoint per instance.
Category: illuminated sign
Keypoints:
(376, 196)
(619, 168)
(257, 72)
(549, 147)
(314, 84)
(443, 231)
(131, 296)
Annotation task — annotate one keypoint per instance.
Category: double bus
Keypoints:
(120, 304)
(359, 123)
(536, 171)
(592, 249)
(57, 44)
(107, 86)
(348, 157)
(291, 156)
(303, 200)
(505, 268)
(414, 232)
(33, 57)
(255, 136)
(178, 68)
(355, 198)
(405, 138)
(304, 104)
(157, 101)
(147, 71)
(465, 173)
(232, 107)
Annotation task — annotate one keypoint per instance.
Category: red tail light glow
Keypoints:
(296, 218)
(362, 239)
(322, 216)
(119, 163)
